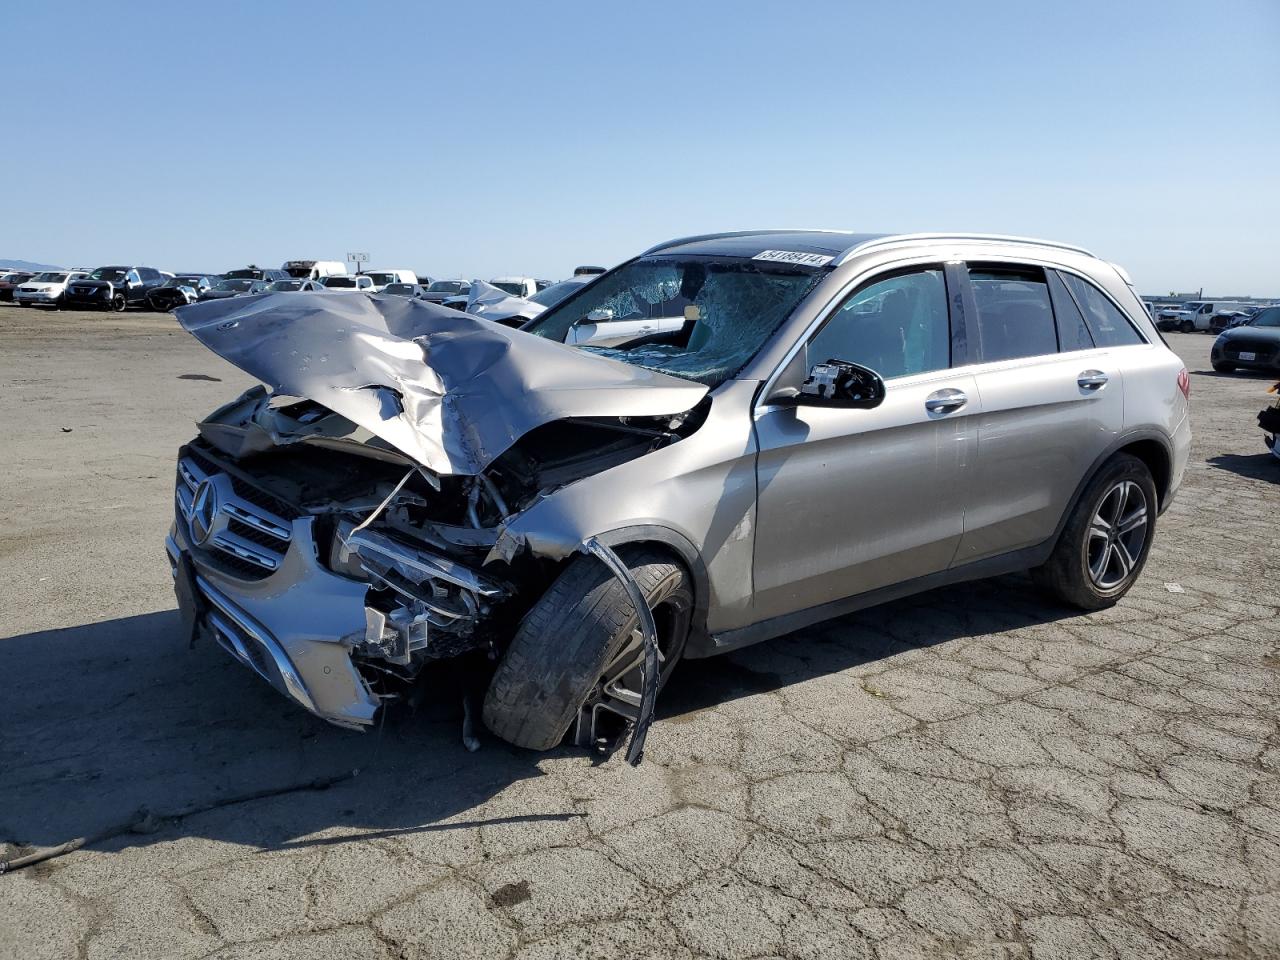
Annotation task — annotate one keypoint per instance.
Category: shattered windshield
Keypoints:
(719, 312)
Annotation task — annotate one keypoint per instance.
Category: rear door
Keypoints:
(1052, 403)
(850, 500)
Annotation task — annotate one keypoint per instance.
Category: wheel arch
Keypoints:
(1149, 446)
(681, 549)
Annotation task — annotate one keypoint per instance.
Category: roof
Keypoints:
(750, 243)
(837, 244)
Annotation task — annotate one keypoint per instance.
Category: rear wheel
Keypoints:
(1105, 543)
(579, 648)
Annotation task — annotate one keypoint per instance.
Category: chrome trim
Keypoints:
(250, 630)
(231, 505)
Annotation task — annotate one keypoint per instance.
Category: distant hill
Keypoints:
(26, 265)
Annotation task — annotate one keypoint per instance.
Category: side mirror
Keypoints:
(838, 383)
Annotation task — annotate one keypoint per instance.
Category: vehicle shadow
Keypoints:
(107, 718)
(1255, 466)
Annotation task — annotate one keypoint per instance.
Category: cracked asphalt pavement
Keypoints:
(972, 772)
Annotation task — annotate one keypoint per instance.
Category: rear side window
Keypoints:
(1073, 334)
(1110, 327)
(1015, 314)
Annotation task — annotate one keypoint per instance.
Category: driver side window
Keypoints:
(896, 326)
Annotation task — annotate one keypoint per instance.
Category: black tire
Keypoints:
(118, 303)
(1070, 574)
(556, 660)
(1224, 367)
(1188, 326)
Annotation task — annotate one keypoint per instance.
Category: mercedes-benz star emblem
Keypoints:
(204, 508)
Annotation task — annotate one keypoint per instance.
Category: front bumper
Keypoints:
(294, 628)
(37, 296)
(100, 297)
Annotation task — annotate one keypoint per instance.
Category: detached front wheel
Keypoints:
(579, 649)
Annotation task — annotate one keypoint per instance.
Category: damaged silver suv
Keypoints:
(795, 425)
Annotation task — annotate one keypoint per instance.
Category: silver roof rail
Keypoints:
(993, 237)
(680, 241)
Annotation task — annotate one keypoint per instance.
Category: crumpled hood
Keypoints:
(448, 389)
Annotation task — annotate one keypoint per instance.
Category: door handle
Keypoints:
(1092, 380)
(944, 401)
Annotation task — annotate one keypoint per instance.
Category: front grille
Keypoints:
(229, 520)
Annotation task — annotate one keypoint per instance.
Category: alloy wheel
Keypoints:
(1117, 535)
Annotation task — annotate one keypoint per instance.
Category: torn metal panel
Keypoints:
(450, 390)
(649, 637)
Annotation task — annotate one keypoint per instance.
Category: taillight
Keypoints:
(1184, 383)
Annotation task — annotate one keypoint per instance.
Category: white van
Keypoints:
(383, 277)
(314, 269)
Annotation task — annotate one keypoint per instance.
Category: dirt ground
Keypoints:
(971, 772)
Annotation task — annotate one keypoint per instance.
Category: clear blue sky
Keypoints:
(484, 138)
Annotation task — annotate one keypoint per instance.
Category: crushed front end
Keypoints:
(331, 574)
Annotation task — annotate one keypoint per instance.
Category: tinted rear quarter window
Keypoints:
(1015, 314)
(1073, 334)
(1110, 327)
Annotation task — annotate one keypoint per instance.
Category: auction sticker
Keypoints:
(794, 256)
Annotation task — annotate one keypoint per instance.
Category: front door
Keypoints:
(849, 499)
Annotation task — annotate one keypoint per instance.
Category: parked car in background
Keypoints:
(182, 289)
(424, 281)
(829, 430)
(438, 291)
(314, 269)
(113, 288)
(412, 290)
(1195, 314)
(1254, 345)
(491, 303)
(348, 284)
(382, 277)
(11, 281)
(255, 273)
(293, 285)
(234, 287)
(1223, 319)
(524, 287)
(45, 289)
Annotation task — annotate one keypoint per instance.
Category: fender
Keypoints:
(699, 644)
